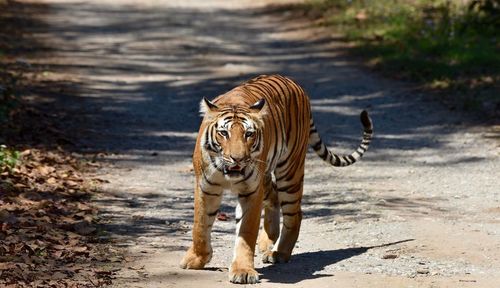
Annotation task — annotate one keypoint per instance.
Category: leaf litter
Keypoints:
(49, 229)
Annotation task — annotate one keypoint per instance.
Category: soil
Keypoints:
(422, 209)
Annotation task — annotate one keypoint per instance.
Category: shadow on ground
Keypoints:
(313, 262)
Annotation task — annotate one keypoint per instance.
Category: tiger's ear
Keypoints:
(207, 106)
(257, 106)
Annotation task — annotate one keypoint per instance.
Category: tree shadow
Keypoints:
(306, 265)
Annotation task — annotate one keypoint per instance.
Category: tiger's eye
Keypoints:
(249, 134)
(223, 133)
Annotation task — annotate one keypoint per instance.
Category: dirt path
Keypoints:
(421, 210)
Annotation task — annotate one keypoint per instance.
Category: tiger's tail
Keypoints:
(342, 160)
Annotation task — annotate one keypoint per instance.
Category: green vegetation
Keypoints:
(446, 45)
(8, 158)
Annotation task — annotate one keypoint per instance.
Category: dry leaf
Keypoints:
(79, 249)
(6, 266)
(45, 170)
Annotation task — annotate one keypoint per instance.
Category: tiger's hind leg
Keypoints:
(270, 231)
(290, 180)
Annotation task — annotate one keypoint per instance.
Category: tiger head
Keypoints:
(233, 137)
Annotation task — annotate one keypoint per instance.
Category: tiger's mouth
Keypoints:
(233, 171)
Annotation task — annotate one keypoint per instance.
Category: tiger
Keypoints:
(253, 141)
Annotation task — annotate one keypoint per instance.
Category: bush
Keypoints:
(442, 44)
(8, 158)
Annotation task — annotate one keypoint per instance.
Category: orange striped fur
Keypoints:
(253, 142)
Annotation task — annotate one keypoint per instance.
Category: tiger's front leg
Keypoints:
(206, 206)
(248, 219)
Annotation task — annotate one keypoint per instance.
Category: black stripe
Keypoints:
(213, 141)
(291, 191)
(265, 86)
(214, 164)
(283, 92)
(276, 134)
(246, 177)
(257, 144)
(278, 179)
(208, 143)
(209, 194)
(262, 92)
(289, 202)
(224, 113)
(292, 188)
(323, 155)
(337, 160)
(317, 146)
(239, 118)
(208, 181)
(293, 185)
(271, 86)
(290, 110)
(346, 160)
(351, 158)
(266, 196)
(282, 163)
(247, 195)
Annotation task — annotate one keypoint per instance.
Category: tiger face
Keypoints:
(233, 137)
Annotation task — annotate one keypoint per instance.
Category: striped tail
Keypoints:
(342, 160)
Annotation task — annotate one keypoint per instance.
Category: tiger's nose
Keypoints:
(238, 159)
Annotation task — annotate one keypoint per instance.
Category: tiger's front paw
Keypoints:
(194, 261)
(243, 275)
(275, 257)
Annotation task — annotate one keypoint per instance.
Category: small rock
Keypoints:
(423, 271)
(389, 256)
